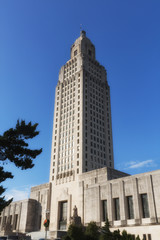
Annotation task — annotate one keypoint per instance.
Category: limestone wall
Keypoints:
(90, 190)
(41, 194)
(18, 217)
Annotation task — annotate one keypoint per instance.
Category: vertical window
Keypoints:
(63, 215)
(10, 219)
(144, 237)
(145, 209)
(130, 207)
(40, 219)
(149, 237)
(89, 52)
(15, 221)
(104, 210)
(116, 209)
(5, 220)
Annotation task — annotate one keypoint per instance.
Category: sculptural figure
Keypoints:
(75, 219)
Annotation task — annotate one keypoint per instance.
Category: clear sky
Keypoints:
(35, 41)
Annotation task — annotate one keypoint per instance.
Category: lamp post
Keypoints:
(46, 223)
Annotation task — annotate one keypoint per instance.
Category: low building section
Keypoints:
(19, 216)
(125, 201)
(129, 202)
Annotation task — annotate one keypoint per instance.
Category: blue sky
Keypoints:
(35, 41)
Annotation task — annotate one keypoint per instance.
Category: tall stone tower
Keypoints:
(82, 129)
(84, 186)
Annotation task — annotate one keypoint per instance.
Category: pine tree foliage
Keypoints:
(14, 147)
(116, 235)
(92, 231)
(127, 236)
(75, 232)
(66, 237)
(138, 238)
(106, 234)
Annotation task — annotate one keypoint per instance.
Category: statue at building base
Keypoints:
(75, 219)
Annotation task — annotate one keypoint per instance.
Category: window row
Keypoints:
(94, 81)
(66, 127)
(65, 168)
(66, 150)
(66, 85)
(72, 67)
(11, 219)
(130, 208)
(69, 63)
(66, 121)
(66, 133)
(66, 140)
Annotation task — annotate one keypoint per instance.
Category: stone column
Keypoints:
(110, 204)
(14, 212)
(151, 200)
(81, 205)
(8, 214)
(69, 210)
(122, 203)
(19, 219)
(57, 214)
(99, 205)
(136, 201)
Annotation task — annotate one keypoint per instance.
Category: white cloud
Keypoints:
(17, 194)
(146, 163)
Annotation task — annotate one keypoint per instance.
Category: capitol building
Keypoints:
(82, 172)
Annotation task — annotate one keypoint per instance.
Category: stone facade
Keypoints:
(82, 174)
(90, 191)
(82, 128)
(41, 194)
(19, 216)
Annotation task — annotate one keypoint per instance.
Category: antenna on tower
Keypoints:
(80, 27)
(82, 32)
